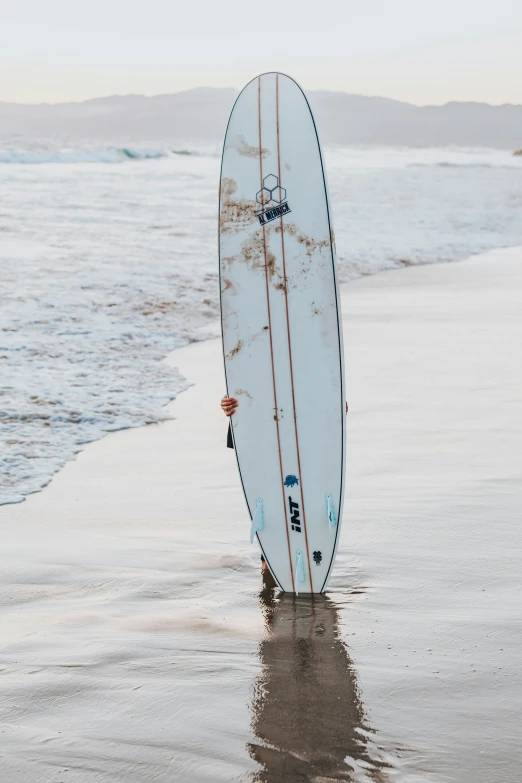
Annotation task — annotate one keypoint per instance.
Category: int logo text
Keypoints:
(295, 517)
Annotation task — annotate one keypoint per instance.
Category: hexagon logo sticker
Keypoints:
(272, 198)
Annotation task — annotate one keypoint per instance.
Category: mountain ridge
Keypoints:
(201, 114)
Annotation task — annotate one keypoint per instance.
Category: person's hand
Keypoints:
(229, 405)
(346, 406)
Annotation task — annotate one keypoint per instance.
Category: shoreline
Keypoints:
(140, 644)
(212, 331)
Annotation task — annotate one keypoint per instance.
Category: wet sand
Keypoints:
(139, 642)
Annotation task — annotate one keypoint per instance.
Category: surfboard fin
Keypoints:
(300, 575)
(330, 510)
(258, 520)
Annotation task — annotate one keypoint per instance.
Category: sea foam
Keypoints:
(105, 269)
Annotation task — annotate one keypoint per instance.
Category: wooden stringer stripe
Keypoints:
(270, 335)
(285, 281)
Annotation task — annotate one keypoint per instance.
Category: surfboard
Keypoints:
(281, 328)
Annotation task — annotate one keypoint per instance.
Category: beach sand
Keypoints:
(140, 644)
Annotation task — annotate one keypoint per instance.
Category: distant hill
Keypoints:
(201, 114)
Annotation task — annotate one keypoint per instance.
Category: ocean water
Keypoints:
(108, 258)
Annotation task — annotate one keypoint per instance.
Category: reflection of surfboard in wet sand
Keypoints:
(281, 330)
(307, 712)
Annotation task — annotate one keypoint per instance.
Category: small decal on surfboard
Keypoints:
(291, 481)
(272, 197)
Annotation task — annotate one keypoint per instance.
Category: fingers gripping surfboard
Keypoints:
(281, 326)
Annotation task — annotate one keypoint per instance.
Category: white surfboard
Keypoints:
(281, 325)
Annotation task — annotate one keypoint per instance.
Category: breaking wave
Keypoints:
(105, 155)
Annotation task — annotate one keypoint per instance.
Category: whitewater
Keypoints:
(108, 256)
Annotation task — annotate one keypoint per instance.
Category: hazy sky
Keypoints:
(408, 49)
